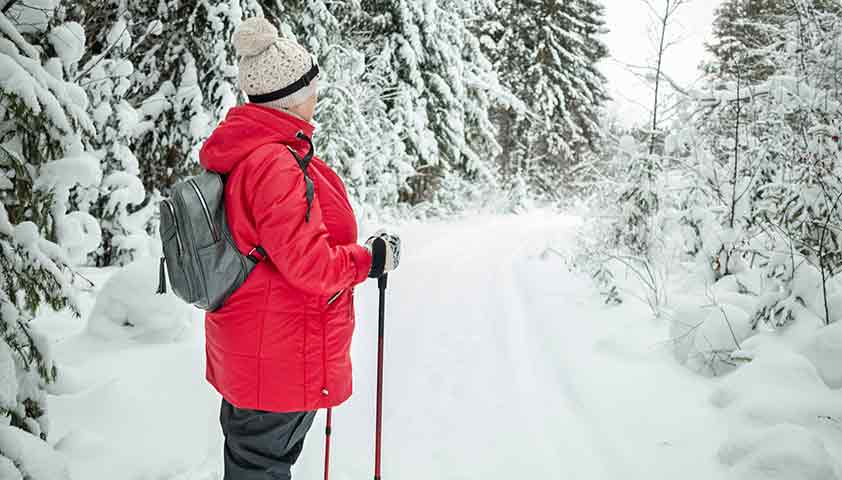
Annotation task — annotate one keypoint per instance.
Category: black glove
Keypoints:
(385, 253)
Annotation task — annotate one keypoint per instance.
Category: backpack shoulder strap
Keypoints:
(303, 163)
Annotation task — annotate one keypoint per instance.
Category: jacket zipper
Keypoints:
(175, 221)
(205, 209)
(325, 391)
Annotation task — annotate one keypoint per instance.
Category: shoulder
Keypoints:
(269, 159)
(269, 175)
(269, 165)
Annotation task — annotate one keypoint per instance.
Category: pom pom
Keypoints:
(253, 36)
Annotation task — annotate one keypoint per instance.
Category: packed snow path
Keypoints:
(500, 364)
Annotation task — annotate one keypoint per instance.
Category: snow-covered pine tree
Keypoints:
(104, 71)
(743, 26)
(159, 77)
(42, 165)
(748, 32)
(546, 52)
(441, 87)
(122, 208)
(354, 133)
(184, 79)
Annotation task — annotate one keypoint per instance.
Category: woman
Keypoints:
(279, 349)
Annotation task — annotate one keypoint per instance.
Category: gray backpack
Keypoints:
(204, 265)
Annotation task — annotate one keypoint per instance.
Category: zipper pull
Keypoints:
(335, 296)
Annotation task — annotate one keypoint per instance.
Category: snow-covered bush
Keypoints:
(23, 457)
(768, 168)
(824, 349)
(741, 196)
(705, 337)
(128, 307)
(778, 386)
(782, 452)
(632, 199)
(782, 405)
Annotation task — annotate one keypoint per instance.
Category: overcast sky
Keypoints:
(629, 43)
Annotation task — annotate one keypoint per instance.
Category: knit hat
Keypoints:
(274, 71)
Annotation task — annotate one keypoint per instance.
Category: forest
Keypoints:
(720, 211)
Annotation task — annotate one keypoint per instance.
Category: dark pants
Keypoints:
(262, 445)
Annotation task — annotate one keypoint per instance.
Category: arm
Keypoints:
(301, 250)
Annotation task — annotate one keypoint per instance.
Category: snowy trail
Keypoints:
(499, 365)
(503, 365)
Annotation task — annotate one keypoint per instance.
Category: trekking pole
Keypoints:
(327, 443)
(381, 284)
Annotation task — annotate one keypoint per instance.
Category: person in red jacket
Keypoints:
(279, 349)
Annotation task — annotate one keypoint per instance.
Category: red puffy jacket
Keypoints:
(277, 344)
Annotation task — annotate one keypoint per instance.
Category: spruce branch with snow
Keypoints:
(46, 174)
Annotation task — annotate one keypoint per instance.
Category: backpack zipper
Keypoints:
(175, 221)
(205, 209)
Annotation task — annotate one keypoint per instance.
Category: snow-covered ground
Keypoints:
(501, 363)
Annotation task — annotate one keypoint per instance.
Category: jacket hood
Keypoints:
(247, 128)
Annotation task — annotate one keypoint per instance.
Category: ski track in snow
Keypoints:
(500, 364)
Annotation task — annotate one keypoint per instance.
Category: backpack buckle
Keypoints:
(257, 254)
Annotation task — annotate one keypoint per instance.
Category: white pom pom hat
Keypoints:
(274, 71)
